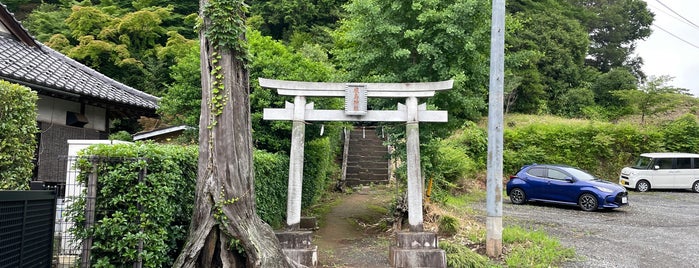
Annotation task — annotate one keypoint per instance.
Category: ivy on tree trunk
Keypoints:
(225, 230)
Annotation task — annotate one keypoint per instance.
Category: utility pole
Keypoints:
(493, 244)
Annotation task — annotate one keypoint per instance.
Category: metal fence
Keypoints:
(26, 228)
(68, 249)
(71, 251)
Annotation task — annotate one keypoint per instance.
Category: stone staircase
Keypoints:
(367, 158)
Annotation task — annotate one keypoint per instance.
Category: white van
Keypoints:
(662, 171)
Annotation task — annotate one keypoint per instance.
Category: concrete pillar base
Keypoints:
(417, 249)
(297, 246)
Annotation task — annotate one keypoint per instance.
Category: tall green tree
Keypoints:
(561, 46)
(419, 41)
(615, 26)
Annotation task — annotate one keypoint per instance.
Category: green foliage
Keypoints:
(562, 42)
(226, 28)
(17, 135)
(318, 169)
(385, 41)
(653, 97)
(121, 135)
(271, 182)
(156, 208)
(281, 19)
(462, 256)
(457, 158)
(181, 103)
(682, 135)
(614, 27)
(575, 100)
(448, 225)
(533, 248)
(600, 148)
(615, 79)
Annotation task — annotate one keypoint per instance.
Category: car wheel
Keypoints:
(642, 186)
(695, 187)
(587, 202)
(517, 196)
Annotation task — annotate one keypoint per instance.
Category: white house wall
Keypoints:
(53, 110)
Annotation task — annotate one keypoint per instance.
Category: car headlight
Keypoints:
(604, 189)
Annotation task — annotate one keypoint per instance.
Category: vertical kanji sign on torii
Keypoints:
(355, 95)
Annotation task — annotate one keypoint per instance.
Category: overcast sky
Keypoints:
(673, 47)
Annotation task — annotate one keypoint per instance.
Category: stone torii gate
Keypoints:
(356, 95)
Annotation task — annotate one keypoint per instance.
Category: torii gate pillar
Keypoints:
(415, 181)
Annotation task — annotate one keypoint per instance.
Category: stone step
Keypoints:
(365, 170)
(405, 258)
(352, 183)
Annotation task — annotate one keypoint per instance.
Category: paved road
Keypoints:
(657, 229)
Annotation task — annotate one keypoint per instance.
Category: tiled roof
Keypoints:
(44, 67)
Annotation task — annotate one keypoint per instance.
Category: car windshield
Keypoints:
(580, 175)
(642, 162)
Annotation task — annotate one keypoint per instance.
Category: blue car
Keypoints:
(564, 185)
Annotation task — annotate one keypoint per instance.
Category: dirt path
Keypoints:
(347, 237)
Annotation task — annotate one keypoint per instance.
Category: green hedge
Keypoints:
(17, 135)
(271, 182)
(601, 148)
(160, 204)
(318, 166)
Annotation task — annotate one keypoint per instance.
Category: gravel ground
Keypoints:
(657, 229)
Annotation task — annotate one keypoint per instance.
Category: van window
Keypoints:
(696, 163)
(683, 163)
(664, 163)
(642, 162)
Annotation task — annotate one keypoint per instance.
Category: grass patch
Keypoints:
(533, 248)
(521, 247)
(323, 207)
(462, 256)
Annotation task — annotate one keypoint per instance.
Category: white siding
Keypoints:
(53, 110)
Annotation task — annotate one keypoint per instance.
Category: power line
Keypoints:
(680, 38)
(678, 14)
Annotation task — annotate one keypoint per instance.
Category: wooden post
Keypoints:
(293, 204)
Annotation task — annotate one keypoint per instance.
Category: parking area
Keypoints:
(657, 229)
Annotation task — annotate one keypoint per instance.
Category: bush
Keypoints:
(271, 182)
(317, 170)
(156, 208)
(17, 135)
(600, 148)
(448, 225)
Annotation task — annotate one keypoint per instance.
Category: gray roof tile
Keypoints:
(43, 66)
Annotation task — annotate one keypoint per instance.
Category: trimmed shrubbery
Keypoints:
(156, 208)
(601, 148)
(17, 135)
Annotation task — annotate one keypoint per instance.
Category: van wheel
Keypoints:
(695, 187)
(642, 186)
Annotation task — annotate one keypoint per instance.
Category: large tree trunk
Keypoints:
(225, 230)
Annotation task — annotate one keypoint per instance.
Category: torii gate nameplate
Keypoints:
(356, 95)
